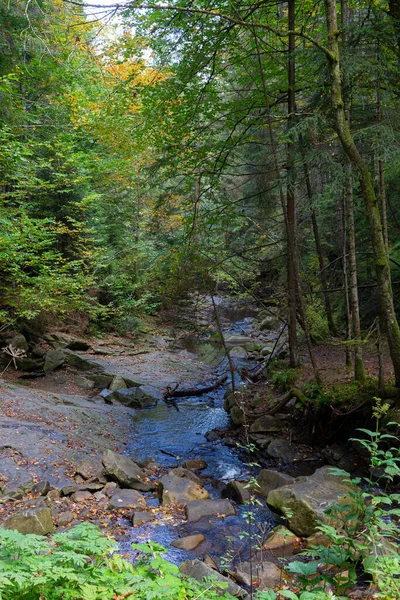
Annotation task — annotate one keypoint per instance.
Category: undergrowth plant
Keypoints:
(82, 564)
(363, 538)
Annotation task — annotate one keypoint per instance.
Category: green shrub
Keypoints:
(81, 564)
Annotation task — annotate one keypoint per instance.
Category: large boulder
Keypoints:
(18, 342)
(125, 471)
(282, 450)
(198, 509)
(266, 573)
(266, 424)
(305, 501)
(127, 499)
(199, 571)
(18, 490)
(138, 397)
(180, 490)
(37, 520)
(270, 480)
(80, 363)
(189, 542)
(117, 384)
(281, 542)
(237, 490)
(53, 360)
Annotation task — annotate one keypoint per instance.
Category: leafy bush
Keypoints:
(81, 564)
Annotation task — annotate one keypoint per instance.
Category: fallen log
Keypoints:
(170, 393)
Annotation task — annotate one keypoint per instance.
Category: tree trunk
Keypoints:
(291, 227)
(381, 261)
(359, 371)
(318, 246)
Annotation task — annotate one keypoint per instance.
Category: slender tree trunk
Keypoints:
(381, 261)
(341, 212)
(381, 170)
(318, 246)
(291, 225)
(359, 371)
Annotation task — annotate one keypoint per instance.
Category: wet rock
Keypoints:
(230, 401)
(266, 573)
(30, 364)
(180, 489)
(318, 539)
(207, 560)
(199, 571)
(197, 509)
(83, 382)
(269, 323)
(19, 490)
(80, 363)
(181, 472)
(138, 397)
(117, 384)
(189, 542)
(267, 350)
(19, 342)
(305, 501)
(102, 381)
(42, 488)
(78, 345)
(124, 470)
(54, 494)
(266, 424)
(127, 499)
(211, 436)
(37, 520)
(238, 352)
(236, 490)
(237, 416)
(262, 441)
(281, 542)
(140, 518)
(68, 490)
(340, 456)
(238, 340)
(65, 518)
(197, 464)
(270, 480)
(53, 360)
(80, 496)
(282, 450)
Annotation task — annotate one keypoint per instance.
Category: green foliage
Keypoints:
(284, 378)
(81, 563)
(317, 322)
(365, 531)
(349, 394)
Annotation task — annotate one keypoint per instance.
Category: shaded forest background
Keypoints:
(201, 145)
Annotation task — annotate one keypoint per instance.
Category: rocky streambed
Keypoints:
(120, 454)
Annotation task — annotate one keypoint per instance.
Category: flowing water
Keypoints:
(172, 434)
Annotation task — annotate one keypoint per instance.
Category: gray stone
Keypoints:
(270, 480)
(199, 571)
(117, 384)
(124, 470)
(197, 464)
(42, 488)
(102, 381)
(140, 518)
(18, 342)
(261, 440)
(181, 472)
(83, 382)
(305, 501)
(266, 573)
(65, 518)
(197, 509)
(211, 436)
(281, 542)
(38, 521)
(189, 542)
(78, 345)
(19, 490)
(67, 490)
(80, 496)
(80, 363)
(127, 499)
(267, 350)
(266, 424)
(138, 397)
(99, 496)
(237, 416)
(30, 364)
(238, 340)
(281, 450)
(238, 352)
(236, 490)
(89, 467)
(180, 490)
(269, 323)
(53, 360)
